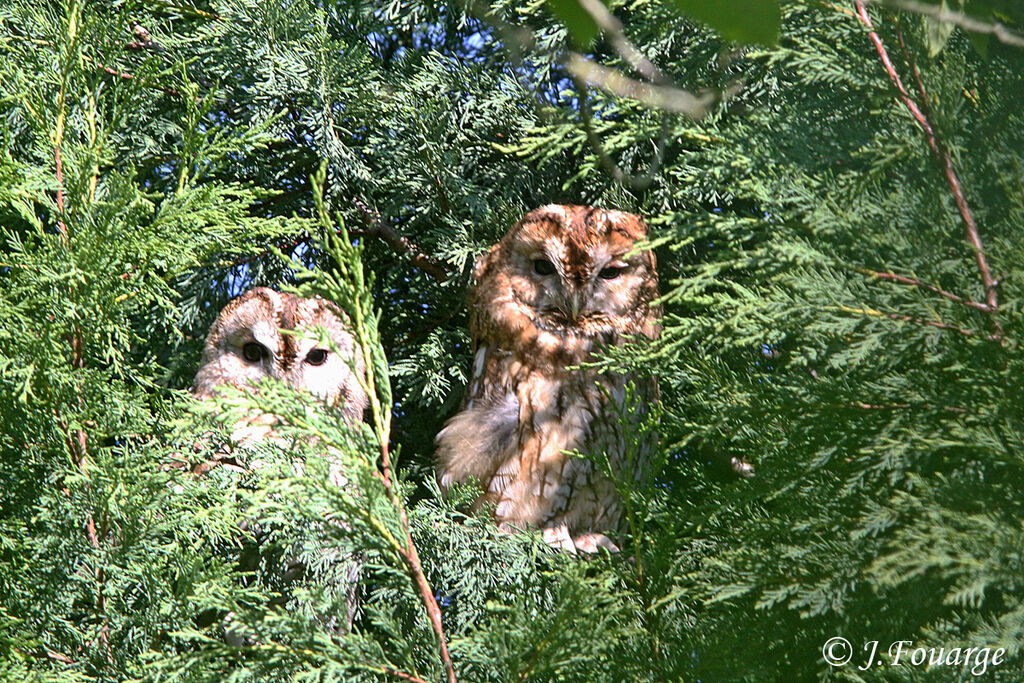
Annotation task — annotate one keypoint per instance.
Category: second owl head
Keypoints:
(264, 333)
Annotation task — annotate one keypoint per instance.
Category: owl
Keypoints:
(563, 283)
(246, 343)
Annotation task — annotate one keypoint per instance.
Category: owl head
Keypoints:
(244, 343)
(572, 269)
(264, 333)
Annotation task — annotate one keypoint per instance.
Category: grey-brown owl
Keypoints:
(246, 343)
(562, 283)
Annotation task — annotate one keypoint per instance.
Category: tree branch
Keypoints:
(936, 12)
(949, 170)
(129, 77)
(918, 321)
(655, 96)
(613, 28)
(923, 285)
(399, 243)
(362, 316)
(614, 170)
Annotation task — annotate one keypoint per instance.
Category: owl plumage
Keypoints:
(267, 334)
(563, 283)
(246, 343)
(249, 341)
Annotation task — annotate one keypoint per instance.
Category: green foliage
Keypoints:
(825, 319)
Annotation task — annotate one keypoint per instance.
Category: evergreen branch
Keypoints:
(351, 267)
(57, 656)
(129, 77)
(399, 243)
(900, 406)
(408, 552)
(942, 14)
(924, 285)
(949, 170)
(186, 10)
(388, 671)
(918, 321)
(613, 28)
(613, 169)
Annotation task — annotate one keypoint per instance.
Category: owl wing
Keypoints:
(480, 442)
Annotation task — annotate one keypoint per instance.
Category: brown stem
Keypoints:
(381, 230)
(128, 77)
(613, 28)
(401, 674)
(634, 182)
(924, 285)
(445, 206)
(949, 170)
(57, 656)
(918, 321)
(401, 244)
(415, 569)
(900, 406)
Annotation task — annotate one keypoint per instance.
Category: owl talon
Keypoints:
(593, 542)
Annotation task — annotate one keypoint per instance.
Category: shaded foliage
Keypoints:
(825, 320)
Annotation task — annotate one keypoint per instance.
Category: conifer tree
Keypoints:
(834, 191)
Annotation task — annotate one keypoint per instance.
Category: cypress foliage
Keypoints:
(828, 319)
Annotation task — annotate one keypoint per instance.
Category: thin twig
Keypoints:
(382, 425)
(614, 170)
(968, 23)
(616, 34)
(654, 96)
(923, 285)
(57, 656)
(412, 558)
(918, 321)
(901, 406)
(129, 77)
(952, 179)
(401, 244)
(401, 674)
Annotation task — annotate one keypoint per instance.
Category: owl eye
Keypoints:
(316, 357)
(543, 267)
(610, 273)
(254, 352)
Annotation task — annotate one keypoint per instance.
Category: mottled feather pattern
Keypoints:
(247, 342)
(563, 283)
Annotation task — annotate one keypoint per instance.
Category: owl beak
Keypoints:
(575, 302)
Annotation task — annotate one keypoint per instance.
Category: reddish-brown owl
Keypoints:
(563, 283)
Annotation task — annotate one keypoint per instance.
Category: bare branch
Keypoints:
(613, 169)
(401, 244)
(654, 96)
(918, 321)
(952, 179)
(612, 27)
(902, 279)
